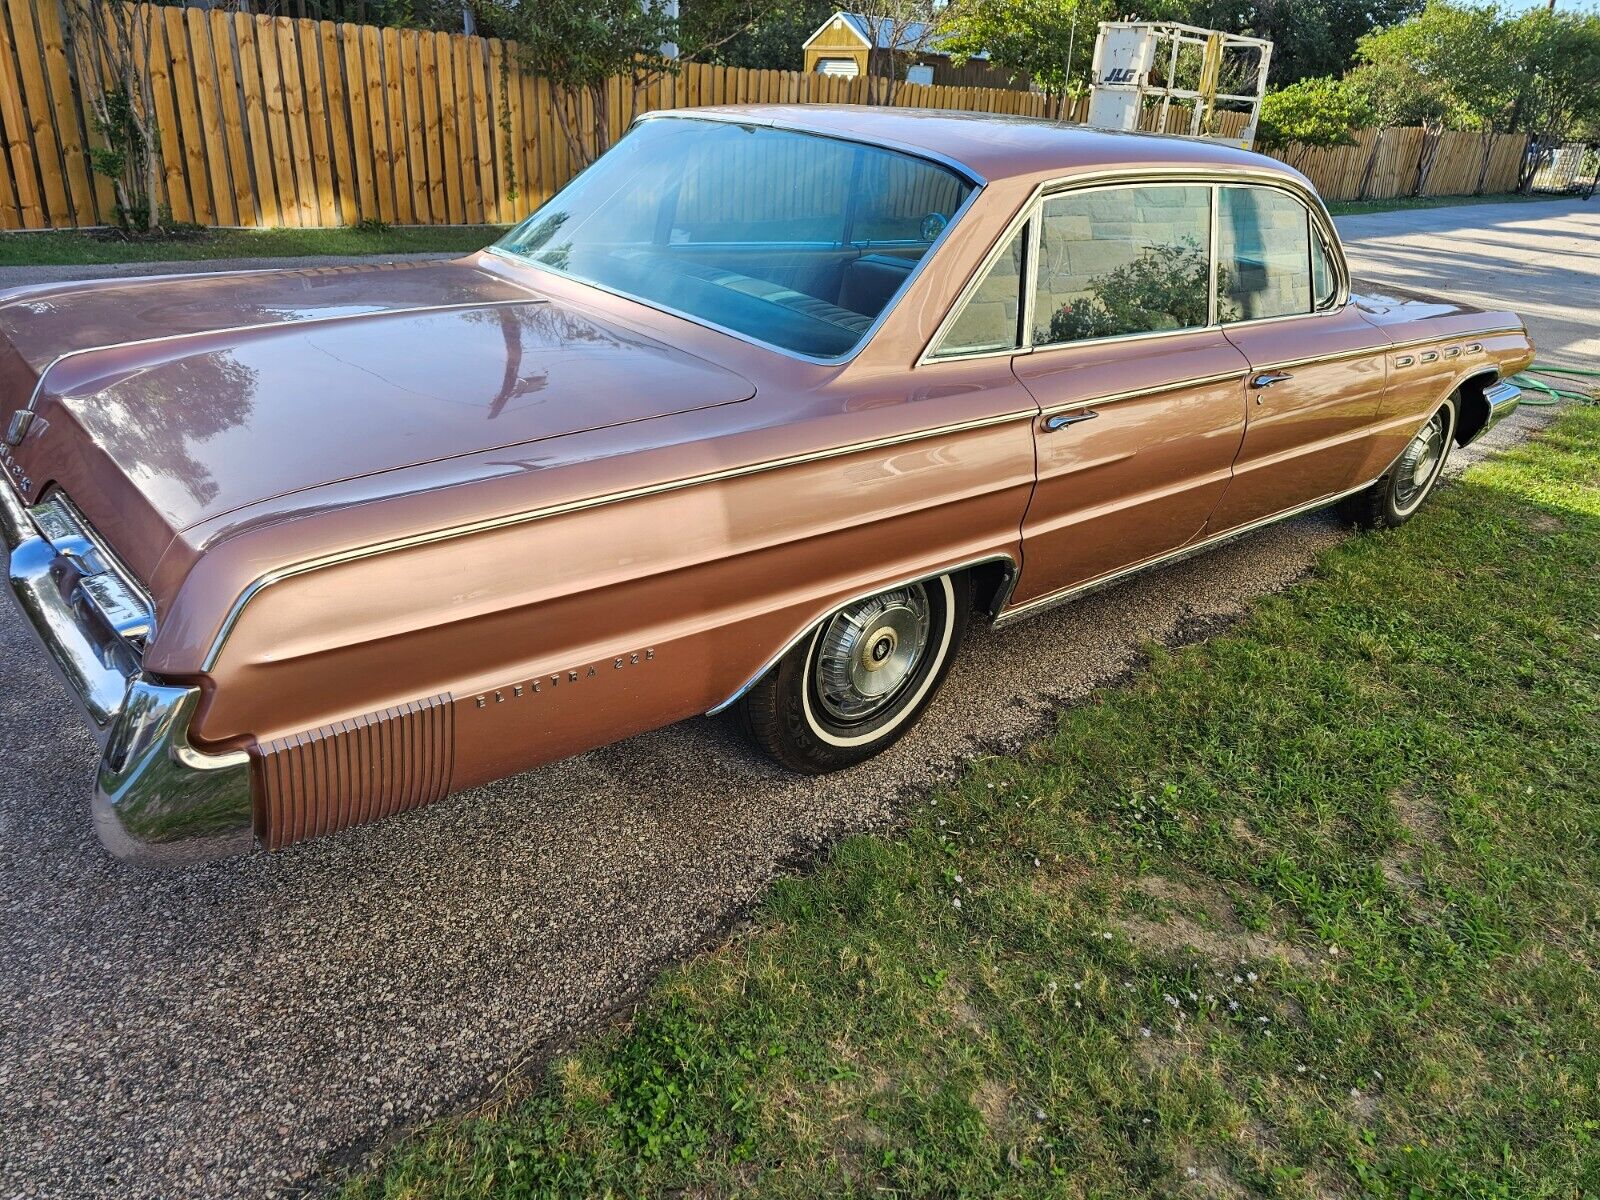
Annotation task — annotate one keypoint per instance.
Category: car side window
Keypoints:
(991, 319)
(1264, 254)
(1123, 260)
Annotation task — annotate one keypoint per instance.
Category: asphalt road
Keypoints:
(233, 1030)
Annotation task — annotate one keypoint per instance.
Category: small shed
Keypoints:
(851, 44)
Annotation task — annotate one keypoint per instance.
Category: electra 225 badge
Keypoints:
(540, 684)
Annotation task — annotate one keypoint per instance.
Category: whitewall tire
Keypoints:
(860, 679)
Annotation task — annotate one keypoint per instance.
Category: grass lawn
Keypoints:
(68, 247)
(1351, 208)
(1307, 909)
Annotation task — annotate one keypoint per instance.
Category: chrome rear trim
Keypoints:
(158, 800)
(96, 676)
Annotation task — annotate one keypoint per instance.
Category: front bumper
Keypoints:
(158, 801)
(1500, 400)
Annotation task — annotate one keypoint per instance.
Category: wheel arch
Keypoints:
(1472, 404)
(993, 577)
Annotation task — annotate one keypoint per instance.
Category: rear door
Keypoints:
(1318, 369)
(1141, 396)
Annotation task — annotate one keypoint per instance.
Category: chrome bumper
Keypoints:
(158, 801)
(1502, 399)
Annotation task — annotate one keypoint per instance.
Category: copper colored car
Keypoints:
(754, 415)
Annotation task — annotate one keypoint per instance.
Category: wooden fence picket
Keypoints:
(289, 121)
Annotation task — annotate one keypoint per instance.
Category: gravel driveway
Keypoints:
(233, 1030)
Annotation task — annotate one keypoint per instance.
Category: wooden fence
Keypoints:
(1391, 162)
(267, 121)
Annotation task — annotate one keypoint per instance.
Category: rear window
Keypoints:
(792, 239)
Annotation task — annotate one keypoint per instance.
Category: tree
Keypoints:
(1312, 113)
(750, 33)
(900, 31)
(113, 42)
(1050, 42)
(1310, 38)
(1465, 57)
(1559, 92)
(580, 46)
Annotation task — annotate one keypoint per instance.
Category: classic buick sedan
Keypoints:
(754, 415)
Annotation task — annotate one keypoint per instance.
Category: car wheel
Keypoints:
(857, 682)
(1406, 484)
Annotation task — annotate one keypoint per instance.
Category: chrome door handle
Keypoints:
(1267, 378)
(1062, 420)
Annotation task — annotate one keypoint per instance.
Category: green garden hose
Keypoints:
(1539, 392)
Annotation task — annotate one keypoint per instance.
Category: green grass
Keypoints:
(1351, 208)
(67, 247)
(1307, 909)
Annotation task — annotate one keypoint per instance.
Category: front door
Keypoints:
(1142, 398)
(1311, 416)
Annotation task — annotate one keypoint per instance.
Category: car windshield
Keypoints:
(792, 239)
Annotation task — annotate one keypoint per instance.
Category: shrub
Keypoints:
(1313, 112)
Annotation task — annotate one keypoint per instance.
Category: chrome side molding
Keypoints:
(1013, 613)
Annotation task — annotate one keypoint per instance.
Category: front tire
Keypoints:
(855, 684)
(1399, 493)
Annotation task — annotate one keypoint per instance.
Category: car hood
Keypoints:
(163, 403)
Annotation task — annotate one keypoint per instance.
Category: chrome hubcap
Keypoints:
(867, 652)
(1420, 462)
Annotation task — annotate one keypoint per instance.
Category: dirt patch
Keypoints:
(1422, 826)
(1417, 816)
(992, 1100)
(1242, 832)
(1158, 1053)
(1397, 872)
(1223, 940)
(1209, 1179)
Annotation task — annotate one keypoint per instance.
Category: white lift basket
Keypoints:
(1139, 66)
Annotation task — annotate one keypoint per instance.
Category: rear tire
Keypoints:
(1397, 495)
(854, 685)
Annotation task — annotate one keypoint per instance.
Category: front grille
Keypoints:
(356, 771)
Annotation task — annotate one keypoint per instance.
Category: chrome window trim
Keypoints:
(1341, 294)
(966, 173)
(1030, 250)
(1033, 278)
(1030, 272)
(1024, 301)
(1211, 272)
(451, 532)
(1179, 176)
(728, 118)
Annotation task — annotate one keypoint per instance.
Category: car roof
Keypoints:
(993, 146)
